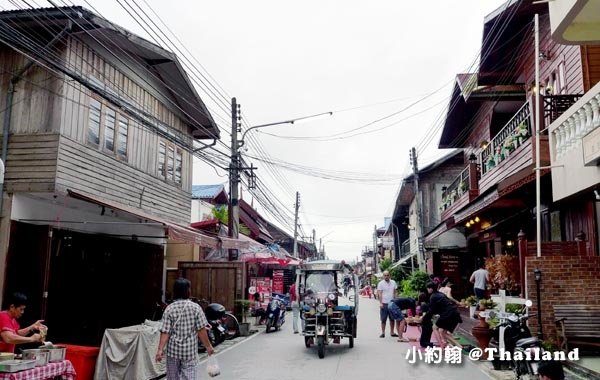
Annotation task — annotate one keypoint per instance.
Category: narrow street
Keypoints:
(281, 355)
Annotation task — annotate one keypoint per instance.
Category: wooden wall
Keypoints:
(590, 56)
(34, 103)
(31, 162)
(84, 168)
(143, 143)
(568, 55)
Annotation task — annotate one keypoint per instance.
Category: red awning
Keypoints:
(172, 230)
(204, 224)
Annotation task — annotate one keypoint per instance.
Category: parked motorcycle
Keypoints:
(221, 324)
(519, 342)
(275, 314)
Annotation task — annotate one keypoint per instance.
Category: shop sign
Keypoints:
(278, 281)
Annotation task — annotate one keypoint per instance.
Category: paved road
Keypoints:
(282, 356)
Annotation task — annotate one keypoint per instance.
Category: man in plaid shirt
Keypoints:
(183, 322)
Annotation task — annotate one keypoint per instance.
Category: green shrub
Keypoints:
(514, 308)
(418, 280)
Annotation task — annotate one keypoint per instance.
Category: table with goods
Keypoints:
(46, 362)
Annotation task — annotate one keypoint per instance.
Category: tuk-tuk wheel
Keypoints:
(351, 342)
(307, 341)
(321, 346)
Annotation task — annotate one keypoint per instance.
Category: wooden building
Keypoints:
(492, 116)
(98, 137)
(418, 229)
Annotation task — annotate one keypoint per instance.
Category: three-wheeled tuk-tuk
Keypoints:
(328, 302)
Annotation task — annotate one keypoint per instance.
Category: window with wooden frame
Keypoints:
(162, 159)
(93, 135)
(123, 135)
(170, 162)
(110, 118)
(107, 128)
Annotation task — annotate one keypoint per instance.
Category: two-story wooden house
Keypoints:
(416, 222)
(98, 134)
(491, 117)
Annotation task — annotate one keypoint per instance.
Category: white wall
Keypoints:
(201, 210)
(569, 175)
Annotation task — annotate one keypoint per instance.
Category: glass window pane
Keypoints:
(123, 134)
(170, 159)
(109, 130)
(94, 122)
(178, 163)
(162, 154)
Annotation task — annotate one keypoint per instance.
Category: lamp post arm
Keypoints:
(290, 121)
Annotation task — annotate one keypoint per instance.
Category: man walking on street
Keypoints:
(295, 307)
(480, 279)
(386, 291)
(183, 322)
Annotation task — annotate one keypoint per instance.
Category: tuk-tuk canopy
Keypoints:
(326, 265)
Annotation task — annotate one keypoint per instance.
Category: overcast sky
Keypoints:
(284, 59)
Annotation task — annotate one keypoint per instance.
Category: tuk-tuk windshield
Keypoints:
(321, 282)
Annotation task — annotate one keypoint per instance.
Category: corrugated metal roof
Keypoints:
(206, 191)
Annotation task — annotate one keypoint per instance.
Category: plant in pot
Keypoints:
(490, 162)
(244, 306)
(471, 303)
(482, 331)
(521, 132)
(487, 304)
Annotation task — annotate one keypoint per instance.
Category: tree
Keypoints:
(396, 274)
(221, 212)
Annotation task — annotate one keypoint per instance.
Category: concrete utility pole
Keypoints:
(234, 167)
(296, 224)
(418, 227)
(375, 249)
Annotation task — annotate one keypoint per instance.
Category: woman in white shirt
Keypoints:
(447, 290)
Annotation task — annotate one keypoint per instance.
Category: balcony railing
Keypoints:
(405, 249)
(582, 121)
(513, 134)
(556, 105)
(457, 188)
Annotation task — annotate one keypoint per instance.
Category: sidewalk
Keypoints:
(254, 330)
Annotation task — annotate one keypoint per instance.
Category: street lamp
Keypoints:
(235, 165)
(538, 278)
(291, 121)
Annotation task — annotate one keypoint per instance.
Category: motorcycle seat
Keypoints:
(526, 342)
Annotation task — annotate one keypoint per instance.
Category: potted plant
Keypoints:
(471, 303)
(509, 145)
(463, 186)
(490, 162)
(244, 306)
(521, 132)
(499, 155)
(486, 304)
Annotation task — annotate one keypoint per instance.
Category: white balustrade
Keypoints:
(576, 124)
(596, 111)
(558, 140)
(571, 132)
(580, 120)
(587, 128)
